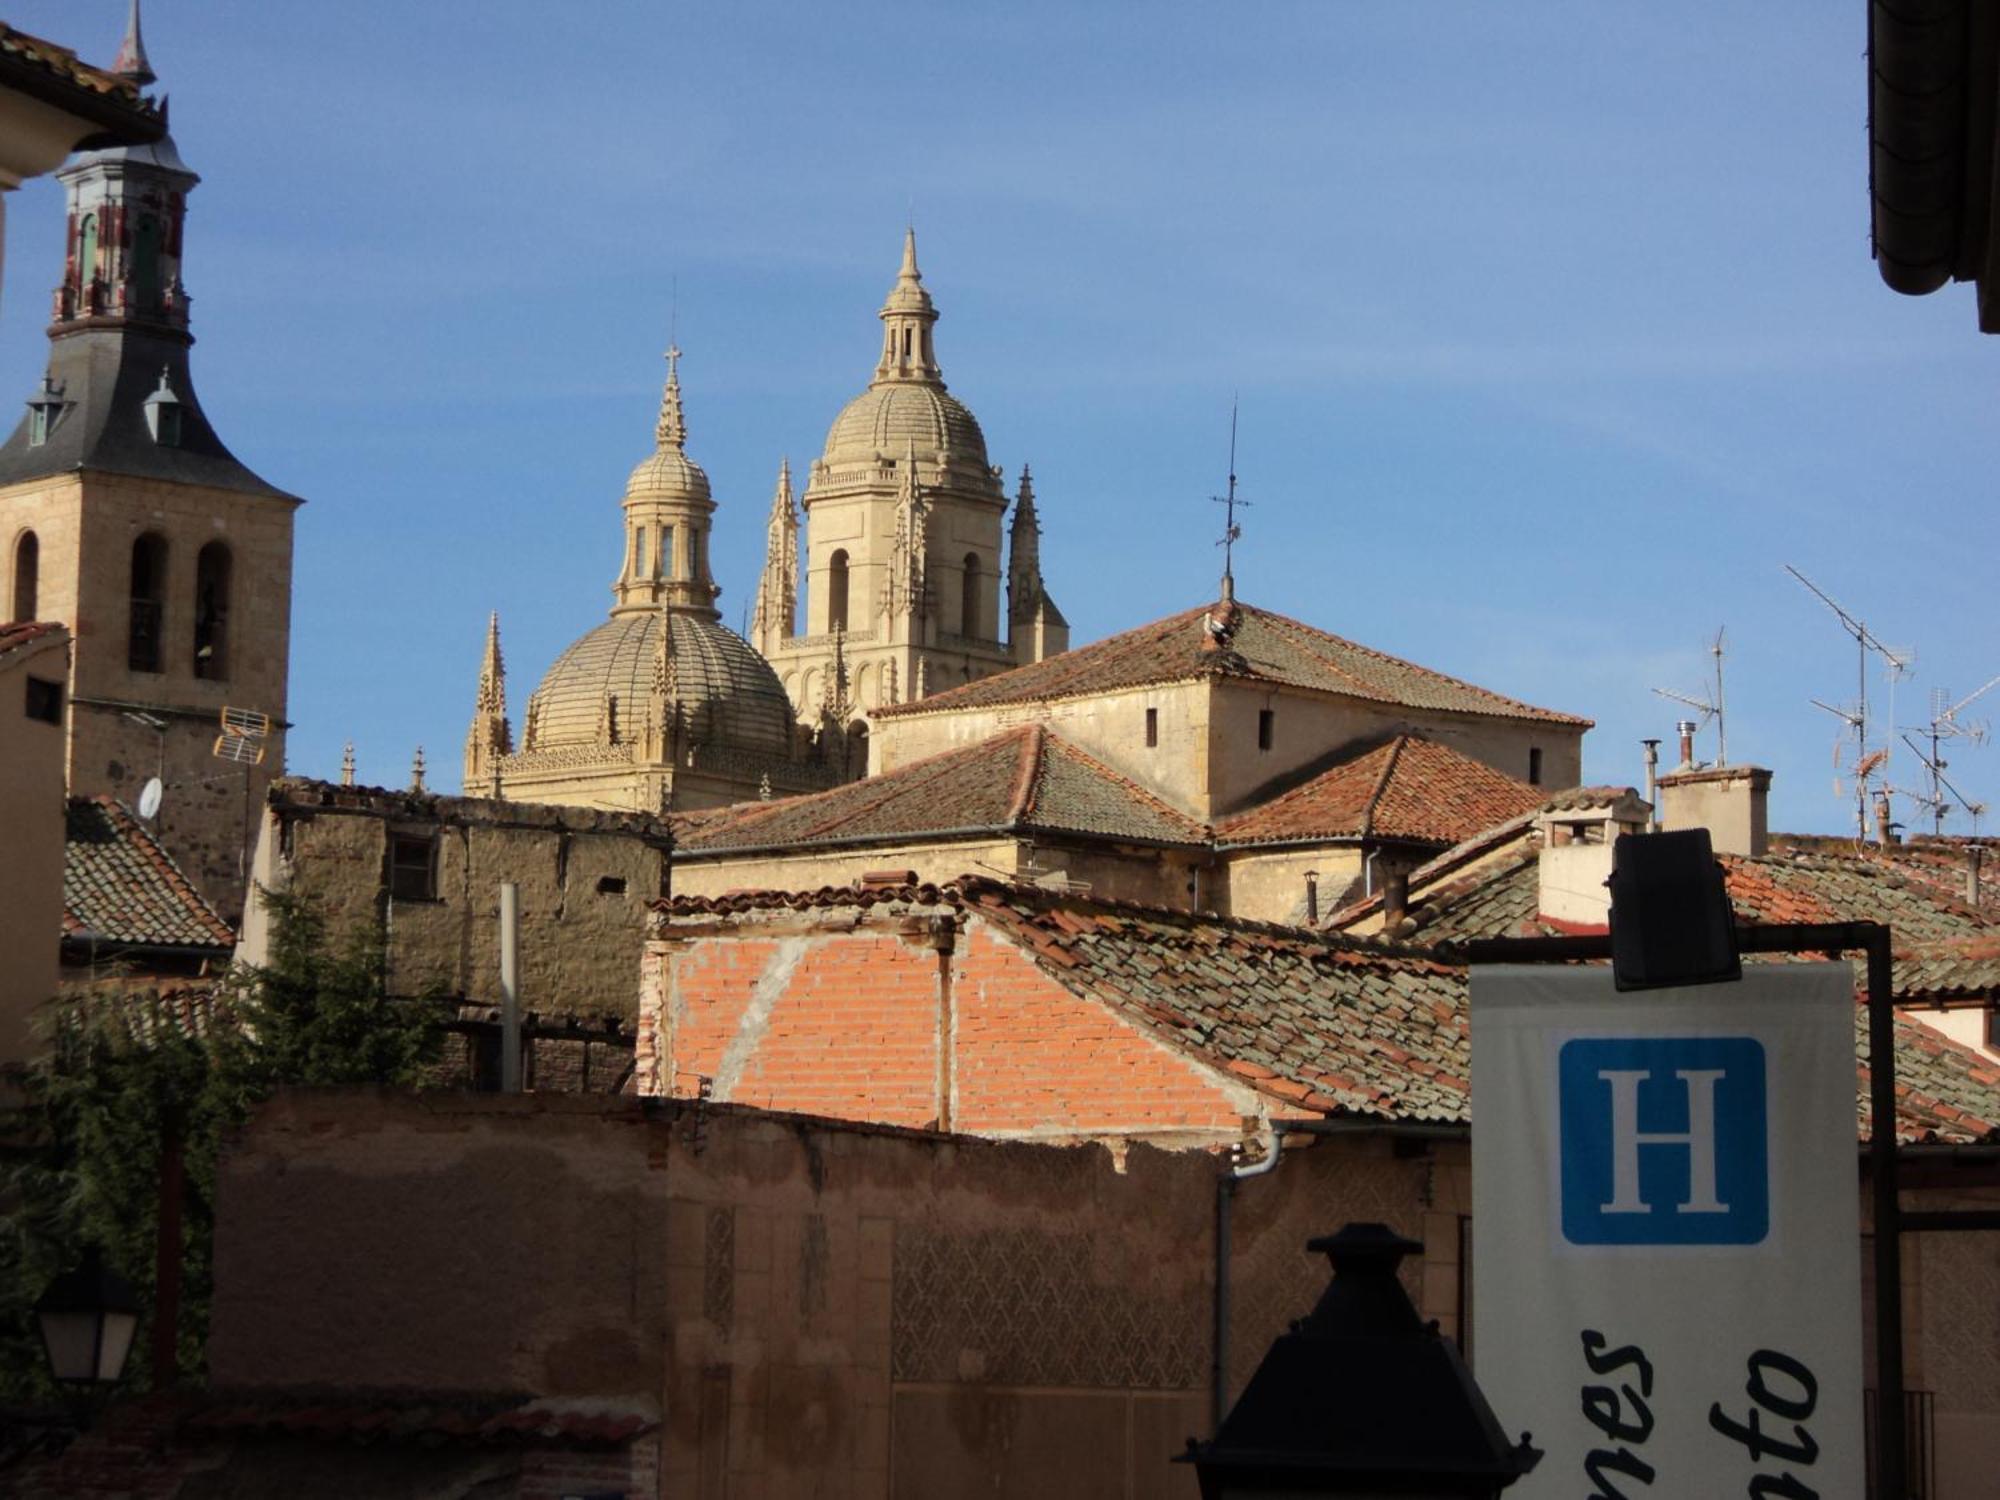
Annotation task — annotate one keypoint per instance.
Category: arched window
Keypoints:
(968, 614)
(211, 612)
(27, 576)
(639, 553)
(665, 565)
(146, 264)
(149, 578)
(836, 591)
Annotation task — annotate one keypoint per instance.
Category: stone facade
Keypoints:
(915, 580)
(430, 869)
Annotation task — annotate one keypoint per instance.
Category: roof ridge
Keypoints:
(1028, 774)
(1389, 763)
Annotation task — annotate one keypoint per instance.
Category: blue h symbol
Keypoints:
(1664, 1141)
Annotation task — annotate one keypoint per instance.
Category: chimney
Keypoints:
(1578, 830)
(1312, 898)
(1731, 802)
(1685, 728)
(1973, 855)
(1652, 785)
(1395, 897)
(1885, 826)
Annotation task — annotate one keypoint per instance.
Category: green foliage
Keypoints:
(84, 1158)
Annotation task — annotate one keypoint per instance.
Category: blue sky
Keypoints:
(1554, 327)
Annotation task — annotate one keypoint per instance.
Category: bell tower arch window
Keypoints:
(147, 602)
(27, 576)
(836, 591)
(146, 264)
(86, 262)
(211, 612)
(968, 614)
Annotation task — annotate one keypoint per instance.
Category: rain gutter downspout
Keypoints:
(1225, 1193)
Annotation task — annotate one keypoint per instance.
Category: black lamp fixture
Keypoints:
(87, 1318)
(1671, 923)
(1361, 1398)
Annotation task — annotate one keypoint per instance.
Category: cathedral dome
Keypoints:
(730, 699)
(667, 474)
(891, 417)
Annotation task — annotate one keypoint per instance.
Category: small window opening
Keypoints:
(611, 885)
(906, 343)
(665, 562)
(211, 613)
(1535, 766)
(639, 553)
(1152, 727)
(86, 262)
(412, 867)
(45, 700)
(836, 591)
(1265, 719)
(27, 576)
(968, 615)
(149, 576)
(146, 264)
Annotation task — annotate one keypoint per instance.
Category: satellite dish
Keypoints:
(149, 799)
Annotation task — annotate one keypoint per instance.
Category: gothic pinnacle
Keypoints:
(131, 60)
(672, 431)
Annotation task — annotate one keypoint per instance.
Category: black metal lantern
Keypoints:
(1361, 1398)
(87, 1318)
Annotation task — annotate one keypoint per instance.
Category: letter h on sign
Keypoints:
(1664, 1141)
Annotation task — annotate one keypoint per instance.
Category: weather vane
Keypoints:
(1230, 529)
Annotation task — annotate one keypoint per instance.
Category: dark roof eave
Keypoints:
(119, 123)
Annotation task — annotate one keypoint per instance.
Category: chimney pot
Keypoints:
(1685, 728)
(1973, 855)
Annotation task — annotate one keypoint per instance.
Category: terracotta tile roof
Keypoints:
(1406, 788)
(1025, 780)
(1265, 648)
(1323, 1024)
(466, 1421)
(69, 73)
(25, 633)
(121, 887)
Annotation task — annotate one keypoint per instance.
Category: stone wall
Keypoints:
(584, 878)
(819, 1310)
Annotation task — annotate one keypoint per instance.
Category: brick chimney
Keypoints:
(1729, 801)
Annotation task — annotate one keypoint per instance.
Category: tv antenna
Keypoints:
(1944, 725)
(1710, 705)
(1937, 799)
(1230, 530)
(1855, 715)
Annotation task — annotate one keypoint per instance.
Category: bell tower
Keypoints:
(124, 516)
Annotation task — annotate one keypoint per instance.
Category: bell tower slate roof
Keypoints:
(121, 328)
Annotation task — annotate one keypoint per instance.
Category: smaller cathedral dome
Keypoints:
(891, 417)
(667, 474)
(729, 697)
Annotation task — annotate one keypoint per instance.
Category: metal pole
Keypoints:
(510, 988)
(1891, 1464)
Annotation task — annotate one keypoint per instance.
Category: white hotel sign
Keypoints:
(1666, 1247)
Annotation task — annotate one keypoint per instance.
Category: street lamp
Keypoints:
(1361, 1398)
(87, 1319)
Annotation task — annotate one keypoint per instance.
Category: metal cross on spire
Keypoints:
(1231, 530)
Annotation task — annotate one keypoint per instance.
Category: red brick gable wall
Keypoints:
(850, 1025)
(1033, 1059)
(842, 1025)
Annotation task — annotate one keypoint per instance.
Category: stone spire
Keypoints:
(668, 507)
(347, 764)
(131, 60)
(490, 736)
(1024, 556)
(775, 616)
(663, 694)
(907, 317)
(671, 430)
(417, 770)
